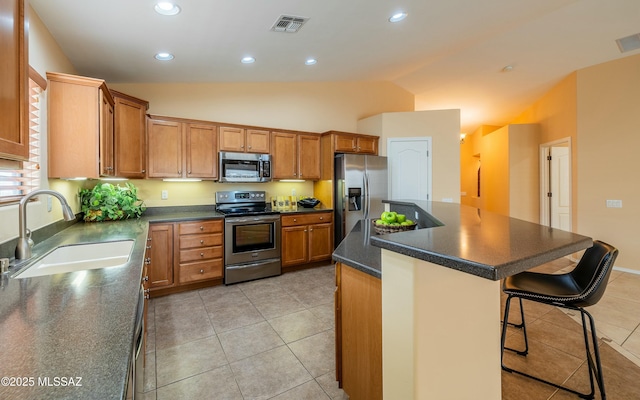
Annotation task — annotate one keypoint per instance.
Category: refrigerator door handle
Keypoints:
(365, 195)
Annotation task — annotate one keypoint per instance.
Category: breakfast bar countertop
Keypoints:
(460, 237)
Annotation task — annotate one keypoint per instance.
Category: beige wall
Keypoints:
(557, 115)
(305, 106)
(608, 105)
(470, 163)
(443, 126)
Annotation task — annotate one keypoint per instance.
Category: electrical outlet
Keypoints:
(164, 195)
(614, 203)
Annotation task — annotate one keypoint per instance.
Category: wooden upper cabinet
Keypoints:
(164, 147)
(80, 119)
(14, 81)
(241, 140)
(130, 143)
(352, 143)
(309, 157)
(367, 145)
(181, 149)
(201, 157)
(295, 156)
(284, 155)
(258, 141)
(106, 136)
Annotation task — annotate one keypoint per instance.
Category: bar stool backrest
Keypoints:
(592, 273)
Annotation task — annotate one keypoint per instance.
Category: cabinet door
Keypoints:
(320, 242)
(285, 155)
(309, 157)
(367, 145)
(345, 144)
(106, 135)
(164, 139)
(294, 245)
(130, 138)
(14, 82)
(232, 139)
(202, 154)
(258, 141)
(160, 255)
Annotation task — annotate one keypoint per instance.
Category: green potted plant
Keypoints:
(107, 202)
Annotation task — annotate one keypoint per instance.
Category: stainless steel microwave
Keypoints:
(244, 167)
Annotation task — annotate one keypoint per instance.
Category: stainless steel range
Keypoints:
(251, 236)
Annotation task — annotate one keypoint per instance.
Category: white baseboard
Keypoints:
(628, 270)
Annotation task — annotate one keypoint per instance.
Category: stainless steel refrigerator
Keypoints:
(360, 185)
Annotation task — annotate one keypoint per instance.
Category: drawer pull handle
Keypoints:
(147, 260)
(202, 271)
(149, 246)
(201, 241)
(321, 218)
(202, 227)
(201, 254)
(146, 279)
(295, 220)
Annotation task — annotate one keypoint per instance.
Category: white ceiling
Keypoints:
(449, 53)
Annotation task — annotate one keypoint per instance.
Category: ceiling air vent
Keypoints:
(629, 43)
(288, 23)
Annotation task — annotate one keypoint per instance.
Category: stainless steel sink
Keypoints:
(79, 257)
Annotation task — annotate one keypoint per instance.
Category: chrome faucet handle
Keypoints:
(29, 240)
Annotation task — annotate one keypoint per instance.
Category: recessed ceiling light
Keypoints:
(166, 8)
(248, 60)
(310, 61)
(164, 56)
(398, 17)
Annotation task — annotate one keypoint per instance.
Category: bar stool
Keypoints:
(581, 287)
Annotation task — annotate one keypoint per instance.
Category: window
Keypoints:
(19, 178)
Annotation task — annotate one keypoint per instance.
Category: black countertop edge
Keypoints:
(358, 265)
(492, 272)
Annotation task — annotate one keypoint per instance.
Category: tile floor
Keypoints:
(274, 339)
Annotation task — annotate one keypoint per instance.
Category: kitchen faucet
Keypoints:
(23, 250)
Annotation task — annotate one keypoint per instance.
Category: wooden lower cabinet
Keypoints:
(185, 255)
(160, 255)
(358, 313)
(306, 238)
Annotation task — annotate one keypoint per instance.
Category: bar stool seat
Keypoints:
(581, 287)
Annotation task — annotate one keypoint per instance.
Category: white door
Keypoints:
(409, 168)
(555, 184)
(560, 188)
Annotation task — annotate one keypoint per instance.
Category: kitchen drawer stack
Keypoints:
(201, 250)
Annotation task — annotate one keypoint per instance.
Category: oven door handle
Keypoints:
(256, 264)
(249, 219)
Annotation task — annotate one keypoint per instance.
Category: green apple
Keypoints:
(401, 217)
(388, 217)
(379, 222)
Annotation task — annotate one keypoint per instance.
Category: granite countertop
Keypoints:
(75, 324)
(464, 238)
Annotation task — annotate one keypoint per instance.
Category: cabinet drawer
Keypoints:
(205, 253)
(189, 228)
(200, 271)
(307, 219)
(196, 241)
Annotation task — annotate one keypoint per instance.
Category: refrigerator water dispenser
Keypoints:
(355, 199)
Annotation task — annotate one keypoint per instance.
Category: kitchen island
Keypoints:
(70, 335)
(439, 296)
